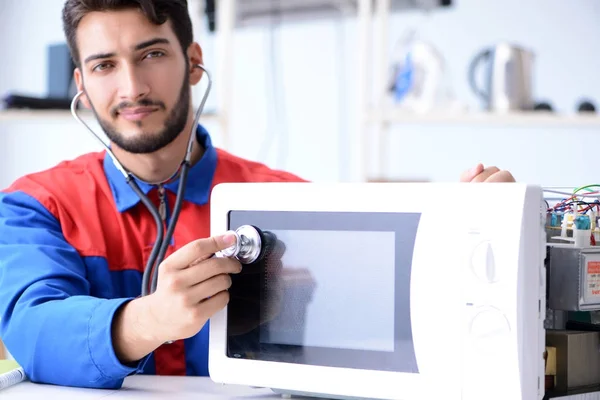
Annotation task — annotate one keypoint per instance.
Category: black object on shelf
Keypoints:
(60, 72)
(582, 326)
(211, 15)
(15, 101)
(542, 106)
(586, 106)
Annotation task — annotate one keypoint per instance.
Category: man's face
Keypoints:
(135, 77)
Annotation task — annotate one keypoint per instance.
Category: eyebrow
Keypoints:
(151, 42)
(137, 47)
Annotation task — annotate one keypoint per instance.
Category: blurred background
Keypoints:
(348, 90)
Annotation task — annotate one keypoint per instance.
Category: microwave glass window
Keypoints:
(330, 289)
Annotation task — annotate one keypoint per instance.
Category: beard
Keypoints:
(150, 142)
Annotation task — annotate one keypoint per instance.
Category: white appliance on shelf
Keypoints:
(385, 291)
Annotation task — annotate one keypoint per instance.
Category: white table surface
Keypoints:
(165, 387)
(142, 387)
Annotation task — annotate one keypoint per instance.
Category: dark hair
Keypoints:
(157, 11)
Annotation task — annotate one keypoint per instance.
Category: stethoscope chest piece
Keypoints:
(247, 247)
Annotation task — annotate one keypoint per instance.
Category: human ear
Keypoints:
(194, 54)
(78, 76)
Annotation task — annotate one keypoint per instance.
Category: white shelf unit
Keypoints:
(225, 26)
(60, 115)
(373, 33)
(375, 117)
(515, 119)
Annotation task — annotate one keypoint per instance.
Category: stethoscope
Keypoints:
(247, 248)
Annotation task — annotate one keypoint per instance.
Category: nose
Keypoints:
(132, 85)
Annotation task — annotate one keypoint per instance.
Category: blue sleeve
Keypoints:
(48, 320)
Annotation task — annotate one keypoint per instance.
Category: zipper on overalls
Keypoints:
(162, 206)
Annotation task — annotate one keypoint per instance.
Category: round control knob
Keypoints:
(490, 330)
(483, 262)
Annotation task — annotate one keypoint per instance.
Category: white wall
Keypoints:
(315, 97)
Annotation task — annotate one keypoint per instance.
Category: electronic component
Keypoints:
(577, 365)
(573, 278)
(574, 219)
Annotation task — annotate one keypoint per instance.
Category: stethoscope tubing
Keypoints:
(161, 244)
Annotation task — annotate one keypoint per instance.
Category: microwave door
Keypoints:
(330, 289)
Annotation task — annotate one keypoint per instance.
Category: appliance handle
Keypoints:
(482, 56)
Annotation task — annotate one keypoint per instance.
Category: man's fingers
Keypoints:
(501, 176)
(485, 174)
(200, 272)
(214, 303)
(198, 250)
(467, 176)
(209, 288)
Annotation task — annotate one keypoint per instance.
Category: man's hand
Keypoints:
(489, 174)
(192, 286)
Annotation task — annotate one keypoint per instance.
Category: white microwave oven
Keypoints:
(385, 291)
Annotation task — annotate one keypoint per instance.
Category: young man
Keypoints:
(74, 239)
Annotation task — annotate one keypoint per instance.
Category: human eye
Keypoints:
(155, 54)
(101, 67)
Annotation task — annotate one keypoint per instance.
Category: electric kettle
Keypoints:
(508, 78)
